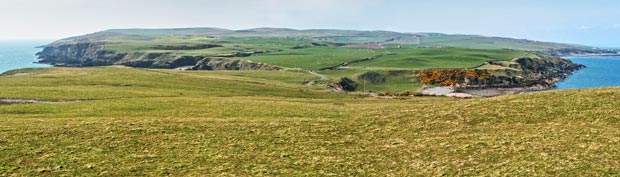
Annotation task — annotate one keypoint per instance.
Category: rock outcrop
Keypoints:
(231, 64)
(548, 69)
(542, 72)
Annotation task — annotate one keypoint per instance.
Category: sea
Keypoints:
(20, 54)
(599, 71)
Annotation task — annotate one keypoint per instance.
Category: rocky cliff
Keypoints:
(95, 54)
(526, 74)
(536, 74)
(552, 69)
(78, 54)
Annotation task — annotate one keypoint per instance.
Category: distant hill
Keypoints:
(347, 37)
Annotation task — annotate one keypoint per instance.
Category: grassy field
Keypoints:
(484, 42)
(390, 58)
(137, 122)
(313, 58)
(229, 45)
(425, 58)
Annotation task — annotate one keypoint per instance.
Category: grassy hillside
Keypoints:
(345, 36)
(135, 122)
(425, 58)
(485, 42)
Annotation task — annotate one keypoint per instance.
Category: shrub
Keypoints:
(348, 84)
(448, 77)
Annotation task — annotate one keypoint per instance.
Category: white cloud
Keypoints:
(585, 27)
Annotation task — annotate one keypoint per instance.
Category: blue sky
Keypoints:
(591, 22)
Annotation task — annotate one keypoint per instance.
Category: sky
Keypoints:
(587, 22)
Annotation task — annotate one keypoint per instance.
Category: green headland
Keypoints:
(329, 54)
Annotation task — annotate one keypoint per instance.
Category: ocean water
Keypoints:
(600, 72)
(19, 54)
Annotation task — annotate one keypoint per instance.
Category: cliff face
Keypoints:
(79, 54)
(549, 68)
(94, 54)
(536, 74)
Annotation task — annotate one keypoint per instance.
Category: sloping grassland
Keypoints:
(135, 122)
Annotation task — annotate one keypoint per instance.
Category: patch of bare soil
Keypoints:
(21, 74)
(26, 101)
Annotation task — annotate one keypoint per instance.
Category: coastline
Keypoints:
(486, 91)
(500, 91)
(537, 76)
(602, 55)
(20, 54)
(493, 92)
(551, 85)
